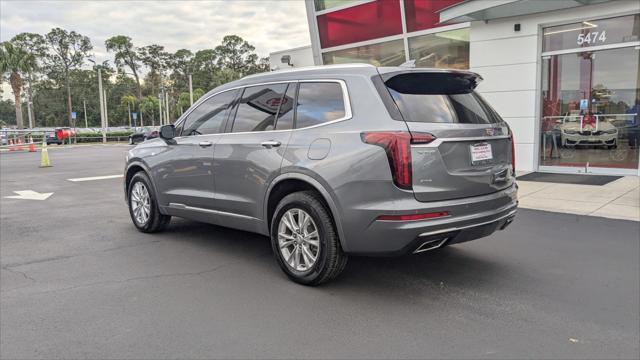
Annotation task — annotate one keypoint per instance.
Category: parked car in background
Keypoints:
(590, 131)
(52, 138)
(142, 134)
(333, 161)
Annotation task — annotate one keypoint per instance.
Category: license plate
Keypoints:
(481, 153)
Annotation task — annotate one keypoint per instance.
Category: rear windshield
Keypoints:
(423, 97)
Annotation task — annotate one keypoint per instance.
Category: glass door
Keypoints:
(590, 108)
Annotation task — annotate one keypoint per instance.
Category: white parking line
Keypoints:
(96, 178)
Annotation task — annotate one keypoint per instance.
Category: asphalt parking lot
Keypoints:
(78, 281)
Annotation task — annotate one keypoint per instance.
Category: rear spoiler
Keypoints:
(430, 81)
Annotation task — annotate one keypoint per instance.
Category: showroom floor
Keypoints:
(619, 199)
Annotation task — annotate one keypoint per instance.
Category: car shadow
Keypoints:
(448, 267)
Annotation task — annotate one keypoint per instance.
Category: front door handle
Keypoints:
(205, 143)
(270, 144)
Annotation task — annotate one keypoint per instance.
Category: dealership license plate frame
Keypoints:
(481, 153)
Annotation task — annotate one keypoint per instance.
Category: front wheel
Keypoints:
(143, 206)
(304, 240)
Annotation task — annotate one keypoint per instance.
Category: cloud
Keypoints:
(268, 25)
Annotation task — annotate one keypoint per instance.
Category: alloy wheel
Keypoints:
(298, 239)
(140, 203)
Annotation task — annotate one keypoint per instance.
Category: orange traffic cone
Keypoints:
(20, 144)
(11, 147)
(32, 146)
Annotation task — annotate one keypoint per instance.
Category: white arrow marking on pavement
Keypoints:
(29, 195)
(96, 178)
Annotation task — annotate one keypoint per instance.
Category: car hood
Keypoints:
(602, 126)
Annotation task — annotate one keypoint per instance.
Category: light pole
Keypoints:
(84, 104)
(160, 109)
(102, 104)
(106, 112)
(129, 108)
(191, 90)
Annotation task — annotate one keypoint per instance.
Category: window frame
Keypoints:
(183, 118)
(228, 128)
(345, 101)
(348, 114)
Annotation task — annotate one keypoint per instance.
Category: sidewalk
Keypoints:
(619, 199)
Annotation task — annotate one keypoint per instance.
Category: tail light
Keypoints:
(513, 154)
(397, 145)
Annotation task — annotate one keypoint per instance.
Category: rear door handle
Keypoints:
(205, 143)
(270, 144)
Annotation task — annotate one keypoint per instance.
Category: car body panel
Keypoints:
(231, 185)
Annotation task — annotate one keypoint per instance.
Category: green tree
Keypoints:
(156, 60)
(204, 66)
(67, 51)
(125, 55)
(197, 94)
(15, 61)
(149, 106)
(34, 45)
(235, 54)
(128, 101)
(7, 112)
(181, 67)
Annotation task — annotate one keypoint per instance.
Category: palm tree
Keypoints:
(15, 61)
(128, 101)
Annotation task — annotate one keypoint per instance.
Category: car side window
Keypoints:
(319, 102)
(287, 111)
(257, 108)
(209, 117)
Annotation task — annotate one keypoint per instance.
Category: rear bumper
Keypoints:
(470, 219)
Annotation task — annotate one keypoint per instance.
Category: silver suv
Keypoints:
(333, 161)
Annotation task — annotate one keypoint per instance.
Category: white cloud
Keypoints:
(268, 25)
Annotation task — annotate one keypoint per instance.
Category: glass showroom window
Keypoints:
(447, 49)
(328, 4)
(368, 21)
(592, 33)
(424, 14)
(390, 53)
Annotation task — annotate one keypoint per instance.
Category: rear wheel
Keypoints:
(143, 206)
(304, 240)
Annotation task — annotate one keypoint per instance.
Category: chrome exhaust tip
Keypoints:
(430, 245)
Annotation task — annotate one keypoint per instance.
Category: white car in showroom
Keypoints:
(593, 133)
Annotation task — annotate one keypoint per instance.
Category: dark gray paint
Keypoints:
(354, 178)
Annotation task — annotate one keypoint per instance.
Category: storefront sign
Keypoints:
(589, 33)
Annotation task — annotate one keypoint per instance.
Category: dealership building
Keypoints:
(564, 74)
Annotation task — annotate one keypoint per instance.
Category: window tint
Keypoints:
(319, 103)
(210, 116)
(469, 108)
(423, 108)
(459, 108)
(256, 110)
(286, 112)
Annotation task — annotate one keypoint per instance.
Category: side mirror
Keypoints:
(167, 132)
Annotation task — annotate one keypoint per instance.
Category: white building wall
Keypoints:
(301, 56)
(509, 62)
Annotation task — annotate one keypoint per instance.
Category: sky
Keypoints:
(269, 25)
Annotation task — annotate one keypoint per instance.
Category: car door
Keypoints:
(187, 176)
(249, 155)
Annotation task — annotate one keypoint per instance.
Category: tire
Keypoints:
(330, 259)
(155, 221)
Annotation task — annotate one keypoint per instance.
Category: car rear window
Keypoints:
(439, 98)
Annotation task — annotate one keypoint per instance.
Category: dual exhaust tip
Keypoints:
(431, 245)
